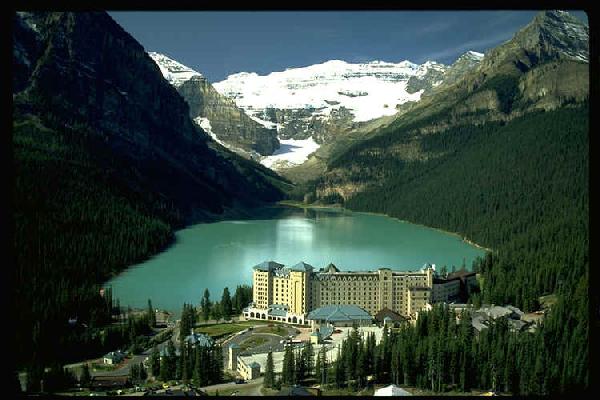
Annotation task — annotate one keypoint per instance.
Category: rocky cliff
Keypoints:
(228, 123)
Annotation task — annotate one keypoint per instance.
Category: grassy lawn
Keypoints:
(219, 330)
(253, 341)
(277, 330)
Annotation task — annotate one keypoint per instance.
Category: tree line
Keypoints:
(518, 187)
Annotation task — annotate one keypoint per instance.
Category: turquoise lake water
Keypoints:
(222, 254)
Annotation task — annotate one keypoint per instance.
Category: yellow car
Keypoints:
(165, 385)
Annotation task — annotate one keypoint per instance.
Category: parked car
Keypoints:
(239, 381)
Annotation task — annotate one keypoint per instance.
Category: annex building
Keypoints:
(290, 293)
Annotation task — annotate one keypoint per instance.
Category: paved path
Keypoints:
(250, 388)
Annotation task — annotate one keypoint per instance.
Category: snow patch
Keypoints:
(174, 72)
(291, 152)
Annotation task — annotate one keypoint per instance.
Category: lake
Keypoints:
(222, 254)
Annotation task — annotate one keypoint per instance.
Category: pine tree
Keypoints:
(206, 305)
(151, 315)
(288, 373)
(269, 379)
(134, 373)
(164, 369)
(155, 362)
(319, 369)
(185, 371)
(171, 360)
(309, 358)
(226, 304)
(217, 364)
(143, 375)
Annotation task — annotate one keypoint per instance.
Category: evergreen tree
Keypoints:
(309, 358)
(171, 360)
(143, 374)
(319, 369)
(216, 311)
(226, 304)
(269, 378)
(206, 305)
(288, 373)
(151, 315)
(165, 373)
(155, 362)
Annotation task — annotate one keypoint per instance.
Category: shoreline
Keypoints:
(337, 206)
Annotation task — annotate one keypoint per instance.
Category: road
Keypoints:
(251, 388)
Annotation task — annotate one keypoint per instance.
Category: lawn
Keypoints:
(277, 330)
(220, 330)
(253, 341)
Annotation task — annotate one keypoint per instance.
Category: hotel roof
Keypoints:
(302, 266)
(344, 312)
(267, 266)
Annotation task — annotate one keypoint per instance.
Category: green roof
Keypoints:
(302, 267)
(346, 312)
(267, 266)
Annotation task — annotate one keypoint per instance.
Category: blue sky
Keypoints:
(218, 44)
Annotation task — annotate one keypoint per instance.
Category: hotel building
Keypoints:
(288, 294)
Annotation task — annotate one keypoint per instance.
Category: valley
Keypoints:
(139, 181)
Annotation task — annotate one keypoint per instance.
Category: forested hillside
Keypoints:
(502, 158)
(520, 188)
(107, 165)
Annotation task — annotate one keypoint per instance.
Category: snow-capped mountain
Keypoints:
(216, 114)
(368, 90)
(173, 71)
(306, 106)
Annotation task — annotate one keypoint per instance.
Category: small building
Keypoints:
(339, 315)
(445, 290)
(233, 351)
(248, 371)
(114, 357)
(391, 390)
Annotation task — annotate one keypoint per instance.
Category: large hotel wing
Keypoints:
(289, 294)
